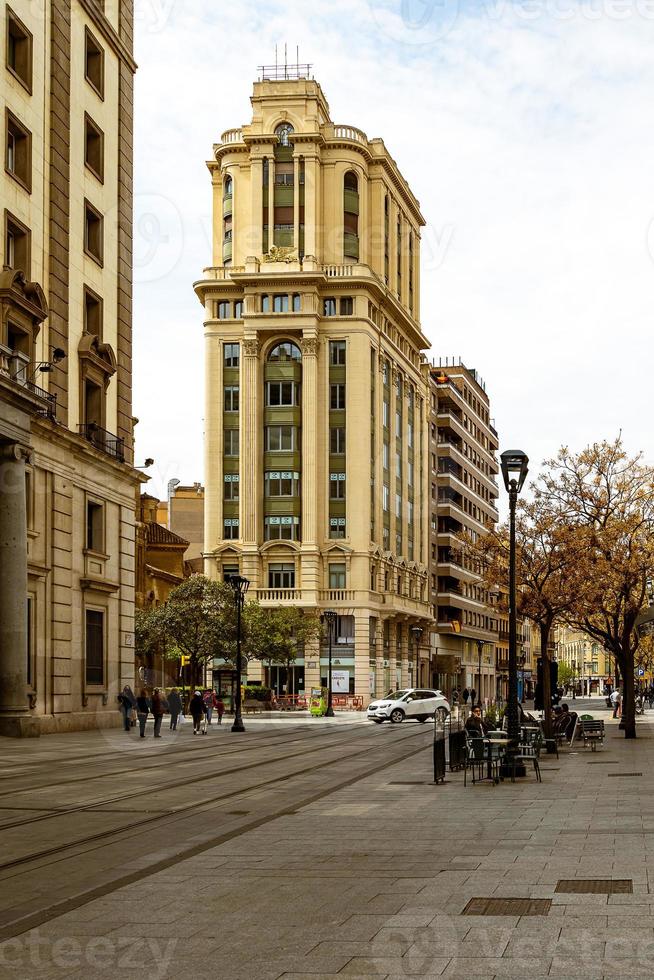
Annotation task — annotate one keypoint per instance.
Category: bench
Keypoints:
(250, 705)
(592, 732)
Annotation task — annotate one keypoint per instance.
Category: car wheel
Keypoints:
(397, 716)
(441, 714)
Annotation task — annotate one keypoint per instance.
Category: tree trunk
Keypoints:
(547, 680)
(628, 701)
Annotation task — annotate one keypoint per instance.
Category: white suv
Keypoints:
(420, 704)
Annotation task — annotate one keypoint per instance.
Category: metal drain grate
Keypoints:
(595, 886)
(508, 906)
(623, 775)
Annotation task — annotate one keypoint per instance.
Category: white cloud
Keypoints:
(523, 129)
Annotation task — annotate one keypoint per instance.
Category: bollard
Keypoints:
(439, 748)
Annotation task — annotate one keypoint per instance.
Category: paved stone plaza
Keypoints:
(317, 849)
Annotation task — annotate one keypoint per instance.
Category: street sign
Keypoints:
(641, 671)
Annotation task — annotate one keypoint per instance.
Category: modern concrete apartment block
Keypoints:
(317, 391)
(463, 494)
(67, 483)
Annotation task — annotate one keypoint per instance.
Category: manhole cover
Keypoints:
(623, 775)
(507, 906)
(595, 886)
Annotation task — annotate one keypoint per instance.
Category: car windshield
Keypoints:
(395, 695)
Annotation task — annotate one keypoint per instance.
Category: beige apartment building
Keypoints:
(463, 493)
(67, 483)
(317, 436)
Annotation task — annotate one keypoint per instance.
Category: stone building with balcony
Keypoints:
(463, 491)
(67, 484)
(316, 422)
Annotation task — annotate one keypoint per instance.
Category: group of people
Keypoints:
(465, 695)
(136, 710)
(563, 722)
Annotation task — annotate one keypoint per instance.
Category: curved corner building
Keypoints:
(317, 393)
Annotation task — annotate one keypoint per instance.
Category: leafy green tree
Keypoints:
(198, 621)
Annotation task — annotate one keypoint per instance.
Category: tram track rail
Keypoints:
(204, 754)
(124, 797)
(31, 920)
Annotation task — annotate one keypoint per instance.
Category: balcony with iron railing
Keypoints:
(17, 368)
(105, 442)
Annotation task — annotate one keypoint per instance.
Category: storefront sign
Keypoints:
(341, 681)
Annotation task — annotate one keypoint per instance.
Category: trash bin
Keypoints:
(457, 747)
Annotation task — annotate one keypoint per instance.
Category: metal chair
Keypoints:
(475, 756)
(525, 753)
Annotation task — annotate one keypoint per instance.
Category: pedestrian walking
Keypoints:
(616, 701)
(142, 711)
(466, 695)
(473, 696)
(220, 709)
(158, 710)
(650, 697)
(209, 698)
(126, 704)
(197, 710)
(175, 708)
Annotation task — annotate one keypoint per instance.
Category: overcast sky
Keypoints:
(524, 129)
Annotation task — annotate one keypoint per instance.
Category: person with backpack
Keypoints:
(197, 710)
(175, 708)
(126, 703)
(158, 710)
(142, 711)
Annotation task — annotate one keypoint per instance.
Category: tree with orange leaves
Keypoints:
(606, 500)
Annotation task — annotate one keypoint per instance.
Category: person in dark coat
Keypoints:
(142, 711)
(175, 708)
(126, 701)
(220, 708)
(158, 709)
(197, 709)
(475, 724)
(466, 695)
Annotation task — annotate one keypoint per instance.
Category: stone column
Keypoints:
(253, 244)
(310, 418)
(15, 719)
(379, 659)
(271, 202)
(405, 648)
(296, 205)
(250, 498)
(312, 215)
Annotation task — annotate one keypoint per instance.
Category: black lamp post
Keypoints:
(417, 633)
(240, 586)
(514, 472)
(480, 650)
(330, 618)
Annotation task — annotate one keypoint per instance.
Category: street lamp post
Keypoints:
(330, 618)
(480, 650)
(514, 472)
(417, 633)
(239, 586)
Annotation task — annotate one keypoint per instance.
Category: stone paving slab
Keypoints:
(345, 888)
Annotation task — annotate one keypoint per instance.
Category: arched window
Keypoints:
(351, 181)
(283, 132)
(286, 351)
(227, 187)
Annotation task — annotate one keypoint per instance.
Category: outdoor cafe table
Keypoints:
(491, 743)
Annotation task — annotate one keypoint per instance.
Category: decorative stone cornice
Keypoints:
(16, 452)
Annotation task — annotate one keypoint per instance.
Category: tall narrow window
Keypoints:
(94, 63)
(94, 526)
(386, 238)
(228, 208)
(93, 147)
(231, 355)
(351, 216)
(337, 353)
(93, 313)
(18, 151)
(93, 233)
(19, 50)
(399, 256)
(94, 647)
(17, 245)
